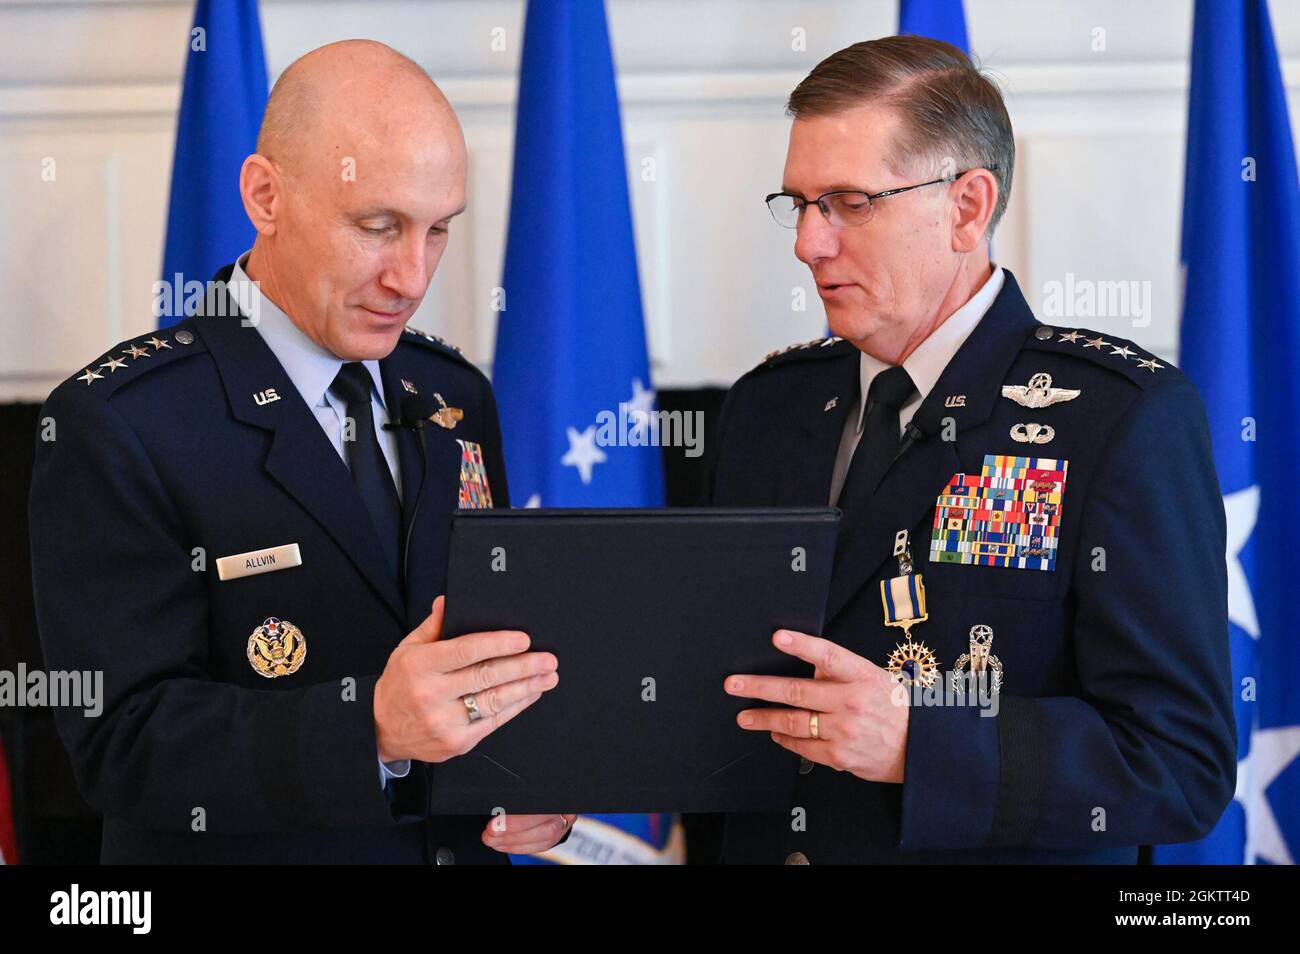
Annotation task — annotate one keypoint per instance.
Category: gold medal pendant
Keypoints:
(903, 599)
(276, 648)
(913, 662)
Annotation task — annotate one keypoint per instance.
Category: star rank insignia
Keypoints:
(89, 376)
(1098, 343)
(159, 343)
(1151, 364)
(434, 338)
(113, 364)
(136, 353)
(1071, 337)
(1125, 352)
(815, 343)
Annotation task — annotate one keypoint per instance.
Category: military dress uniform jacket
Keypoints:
(1115, 725)
(170, 452)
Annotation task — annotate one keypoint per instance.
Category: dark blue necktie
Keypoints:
(367, 462)
(890, 390)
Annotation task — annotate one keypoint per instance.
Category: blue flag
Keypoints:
(221, 110)
(1241, 346)
(938, 19)
(571, 373)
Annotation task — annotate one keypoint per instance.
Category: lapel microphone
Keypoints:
(414, 412)
(924, 423)
(413, 415)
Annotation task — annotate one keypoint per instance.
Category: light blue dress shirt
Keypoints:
(312, 370)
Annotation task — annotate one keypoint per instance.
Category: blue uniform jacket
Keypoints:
(162, 465)
(1115, 724)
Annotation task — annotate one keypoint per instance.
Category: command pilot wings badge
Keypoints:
(1039, 393)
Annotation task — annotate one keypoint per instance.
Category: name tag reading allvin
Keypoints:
(258, 561)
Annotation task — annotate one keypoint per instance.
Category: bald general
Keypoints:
(359, 170)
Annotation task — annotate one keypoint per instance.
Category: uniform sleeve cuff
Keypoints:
(950, 776)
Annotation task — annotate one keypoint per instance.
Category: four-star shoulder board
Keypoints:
(439, 345)
(1119, 355)
(120, 365)
(434, 339)
(817, 348)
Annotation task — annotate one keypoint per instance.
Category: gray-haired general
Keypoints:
(1025, 655)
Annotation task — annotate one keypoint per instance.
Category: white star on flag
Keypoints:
(1271, 751)
(640, 409)
(1242, 509)
(583, 452)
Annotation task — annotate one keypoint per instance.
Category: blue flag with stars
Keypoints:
(938, 19)
(221, 111)
(1240, 345)
(571, 373)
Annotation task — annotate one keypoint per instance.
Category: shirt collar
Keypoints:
(926, 363)
(310, 367)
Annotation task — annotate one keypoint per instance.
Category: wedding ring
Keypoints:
(472, 705)
(812, 725)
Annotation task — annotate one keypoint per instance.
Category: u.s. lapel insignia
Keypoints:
(408, 387)
(446, 416)
(1039, 393)
(1032, 433)
(830, 404)
(276, 648)
(955, 400)
(903, 599)
(979, 659)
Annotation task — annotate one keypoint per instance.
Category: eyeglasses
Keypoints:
(841, 209)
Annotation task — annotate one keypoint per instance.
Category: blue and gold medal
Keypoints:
(903, 598)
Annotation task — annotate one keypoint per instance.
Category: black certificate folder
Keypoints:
(648, 611)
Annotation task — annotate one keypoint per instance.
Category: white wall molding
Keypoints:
(96, 84)
(700, 89)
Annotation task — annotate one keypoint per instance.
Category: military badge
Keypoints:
(276, 648)
(913, 662)
(475, 493)
(1008, 515)
(979, 659)
(1039, 393)
(445, 416)
(903, 598)
(1032, 433)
